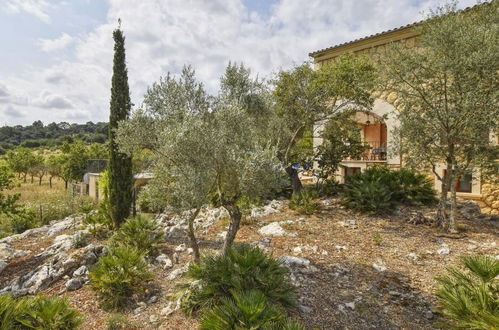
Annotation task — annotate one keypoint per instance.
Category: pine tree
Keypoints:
(120, 164)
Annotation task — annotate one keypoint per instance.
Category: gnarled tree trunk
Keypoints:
(295, 179)
(235, 221)
(192, 235)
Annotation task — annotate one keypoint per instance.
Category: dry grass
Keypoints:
(33, 192)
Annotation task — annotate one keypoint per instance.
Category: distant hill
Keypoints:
(53, 134)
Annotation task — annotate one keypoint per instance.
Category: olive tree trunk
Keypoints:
(295, 179)
(453, 205)
(235, 221)
(192, 235)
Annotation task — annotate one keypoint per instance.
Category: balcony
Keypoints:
(376, 152)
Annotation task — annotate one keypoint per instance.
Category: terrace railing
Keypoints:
(377, 151)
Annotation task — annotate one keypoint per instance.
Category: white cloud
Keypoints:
(162, 36)
(37, 8)
(49, 101)
(49, 45)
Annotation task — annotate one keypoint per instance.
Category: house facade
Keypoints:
(377, 126)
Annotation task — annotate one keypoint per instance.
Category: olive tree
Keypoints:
(304, 97)
(447, 89)
(204, 150)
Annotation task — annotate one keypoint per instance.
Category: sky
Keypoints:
(56, 55)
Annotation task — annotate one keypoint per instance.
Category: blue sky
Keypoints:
(57, 54)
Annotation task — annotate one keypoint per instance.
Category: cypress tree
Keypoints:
(120, 165)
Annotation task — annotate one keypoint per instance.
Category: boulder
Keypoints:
(164, 261)
(292, 261)
(273, 229)
(74, 284)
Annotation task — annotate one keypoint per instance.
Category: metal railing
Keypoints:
(377, 151)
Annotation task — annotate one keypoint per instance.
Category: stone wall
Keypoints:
(489, 203)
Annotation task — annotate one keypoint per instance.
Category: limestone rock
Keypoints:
(292, 261)
(74, 284)
(164, 261)
(273, 229)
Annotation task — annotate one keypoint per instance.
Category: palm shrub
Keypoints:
(246, 310)
(140, 232)
(119, 275)
(413, 188)
(7, 312)
(304, 202)
(369, 196)
(379, 189)
(244, 268)
(39, 312)
(469, 298)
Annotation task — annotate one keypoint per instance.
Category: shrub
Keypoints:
(246, 310)
(119, 275)
(7, 312)
(140, 232)
(413, 188)
(379, 189)
(57, 209)
(304, 202)
(244, 268)
(99, 223)
(22, 221)
(330, 188)
(37, 312)
(469, 298)
(367, 196)
(42, 312)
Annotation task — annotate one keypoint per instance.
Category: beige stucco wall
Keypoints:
(93, 180)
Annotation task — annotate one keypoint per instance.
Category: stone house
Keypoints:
(376, 127)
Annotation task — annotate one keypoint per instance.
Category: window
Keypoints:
(464, 183)
(351, 171)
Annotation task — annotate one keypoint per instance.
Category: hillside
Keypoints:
(352, 271)
(53, 134)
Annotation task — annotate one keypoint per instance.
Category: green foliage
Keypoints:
(204, 149)
(341, 139)
(7, 202)
(378, 190)
(7, 312)
(99, 223)
(48, 210)
(469, 297)
(119, 275)
(329, 188)
(246, 310)
(120, 322)
(51, 135)
(120, 164)
(448, 99)
(369, 196)
(38, 312)
(140, 232)
(304, 96)
(22, 220)
(244, 268)
(304, 202)
(20, 160)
